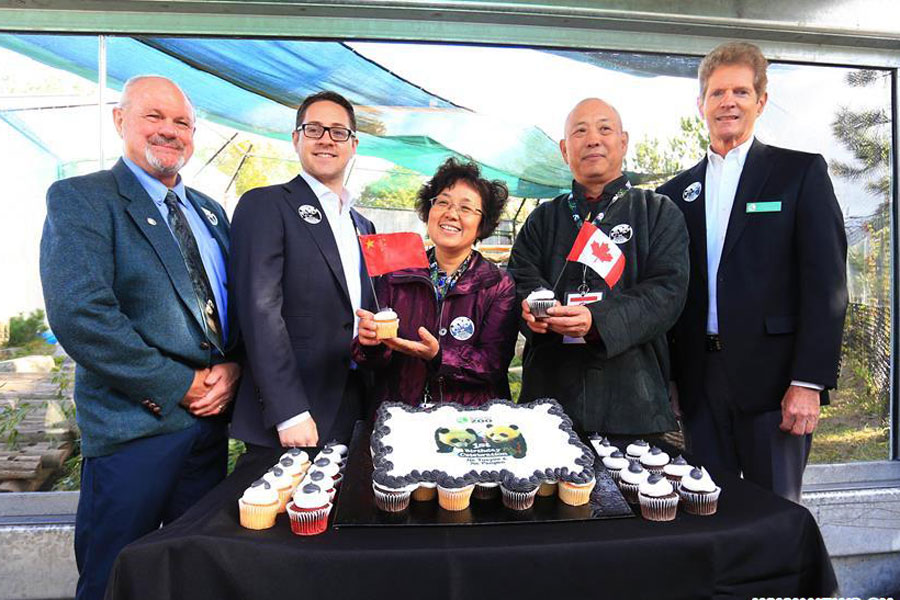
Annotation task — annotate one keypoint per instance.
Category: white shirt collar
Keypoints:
(325, 193)
(740, 152)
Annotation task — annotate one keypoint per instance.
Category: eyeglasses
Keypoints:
(314, 131)
(463, 210)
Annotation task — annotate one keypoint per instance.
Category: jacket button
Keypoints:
(443, 331)
(204, 345)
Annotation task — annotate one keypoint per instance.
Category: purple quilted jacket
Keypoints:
(476, 325)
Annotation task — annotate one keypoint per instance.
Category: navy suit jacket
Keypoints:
(294, 309)
(120, 301)
(782, 288)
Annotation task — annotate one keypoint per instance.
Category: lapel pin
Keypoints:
(620, 233)
(691, 192)
(211, 216)
(151, 220)
(310, 214)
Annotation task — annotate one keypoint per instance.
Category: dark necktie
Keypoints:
(191, 254)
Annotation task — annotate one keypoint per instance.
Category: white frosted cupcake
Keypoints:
(341, 449)
(332, 455)
(615, 463)
(258, 505)
(576, 493)
(298, 456)
(322, 480)
(539, 301)
(635, 450)
(655, 460)
(283, 483)
(293, 468)
(658, 499)
(602, 446)
(675, 470)
(309, 510)
(631, 480)
(699, 493)
(331, 469)
(386, 324)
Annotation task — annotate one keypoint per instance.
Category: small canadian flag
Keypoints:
(594, 249)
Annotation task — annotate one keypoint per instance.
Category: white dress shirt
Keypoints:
(337, 215)
(722, 177)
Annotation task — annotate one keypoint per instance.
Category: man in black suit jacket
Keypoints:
(758, 344)
(298, 279)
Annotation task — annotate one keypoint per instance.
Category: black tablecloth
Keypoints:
(756, 545)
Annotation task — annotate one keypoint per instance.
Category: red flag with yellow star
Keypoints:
(386, 252)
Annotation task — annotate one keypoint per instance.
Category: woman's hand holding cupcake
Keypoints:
(426, 349)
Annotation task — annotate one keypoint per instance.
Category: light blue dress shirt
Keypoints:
(210, 251)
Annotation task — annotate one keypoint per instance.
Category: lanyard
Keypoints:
(579, 221)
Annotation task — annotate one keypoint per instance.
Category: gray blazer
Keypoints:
(120, 301)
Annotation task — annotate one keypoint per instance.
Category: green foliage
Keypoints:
(256, 163)
(24, 329)
(396, 189)
(235, 449)
(658, 161)
(11, 416)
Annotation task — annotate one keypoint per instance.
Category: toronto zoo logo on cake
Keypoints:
(492, 444)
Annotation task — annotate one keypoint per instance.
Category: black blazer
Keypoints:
(291, 299)
(782, 288)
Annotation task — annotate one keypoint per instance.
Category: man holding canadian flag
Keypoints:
(616, 260)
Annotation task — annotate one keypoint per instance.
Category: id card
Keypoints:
(576, 299)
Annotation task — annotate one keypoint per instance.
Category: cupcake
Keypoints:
(454, 493)
(392, 499)
(636, 450)
(601, 445)
(699, 493)
(309, 510)
(298, 456)
(259, 505)
(655, 460)
(293, 468)
(518, 494)
(486, 490)
(614, 463)
(630, 480)
(341, 449)
(577, 493)
(320, 479)
(332, 455)
(386, 324)
(283, 483)
(539, 301)
(658, 499)
(675, 470)
(426, 492)
(329, 468)
(548, 487)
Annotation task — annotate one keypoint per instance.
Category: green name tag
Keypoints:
(761, 207)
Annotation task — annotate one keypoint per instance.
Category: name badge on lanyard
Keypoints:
(578, 299)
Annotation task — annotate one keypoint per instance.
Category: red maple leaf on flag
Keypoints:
(601, 251)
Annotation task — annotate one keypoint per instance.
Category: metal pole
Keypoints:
(101, 94)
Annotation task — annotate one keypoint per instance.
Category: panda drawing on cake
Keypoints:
(507, 438)
(449, 439)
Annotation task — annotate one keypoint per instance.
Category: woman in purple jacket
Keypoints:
(457, 318)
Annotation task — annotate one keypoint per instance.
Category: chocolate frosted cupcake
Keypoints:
(615, 463)
(655, 460)
(454, 493)
(631, 480)
(486, 490)
(539, 301)
(518, 494)
(675, 470)
(635, 450)
(699, 493)
(658, 499)
(601, 445)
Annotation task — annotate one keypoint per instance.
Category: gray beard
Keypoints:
(159, 166)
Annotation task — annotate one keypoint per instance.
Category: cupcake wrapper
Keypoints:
(659, 509)
(389, 502)
(615, 474)
(700, 504)
(386, 330)
(338, 480)
(630, 491)
(424, 494)
(309, 522)
(547, 489)
(518, 500)
(656, 470)
(284, 496)
(257, 517)
(676, 483)
(539, 308)
(455, 499)
(482, 492)
(575, 496)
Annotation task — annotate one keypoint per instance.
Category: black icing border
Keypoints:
(382, 465)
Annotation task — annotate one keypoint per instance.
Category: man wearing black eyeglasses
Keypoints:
(299, 279)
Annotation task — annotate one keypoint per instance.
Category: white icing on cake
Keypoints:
(459, 441)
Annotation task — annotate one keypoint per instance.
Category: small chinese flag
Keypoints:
(594, 249)
(386, 252)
